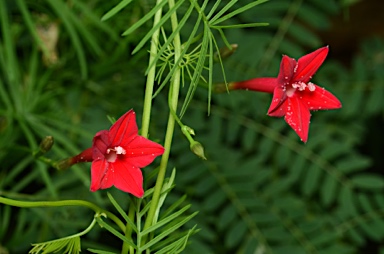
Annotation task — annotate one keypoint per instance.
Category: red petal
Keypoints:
(124, 129)
(320, 99)
(277, 107)
(266, 85)
(287, 67)
(128, 178)
(298, 117)
(101, 175)
(141, 151)
(307, 65)
(100, 144)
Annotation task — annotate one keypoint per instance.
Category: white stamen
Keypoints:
(299, 85)
(119, 150)
(311, 87)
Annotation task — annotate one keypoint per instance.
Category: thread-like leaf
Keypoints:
(115, 232)
(167, 232)
(62, 11)
(122, 213)
(145, 18)
(216, 21)
(67, 245)
(158, 25)
(116, 9)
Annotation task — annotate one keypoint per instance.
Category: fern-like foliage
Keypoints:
(68, 245)
(260, 190)
(200, 37)
(166, 230)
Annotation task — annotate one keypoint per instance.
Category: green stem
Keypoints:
(174, 90)
(151, 76)
(87, 204)
(146, 110)
(128, 231)
(85, 231)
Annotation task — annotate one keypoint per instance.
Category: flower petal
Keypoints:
(101, 175)
(266, 85)
(141, 151)
(320, 99)
(128, 178)
(124, 129)
(298, 117)
(307, 65)
(287, 67)
(277, 107)
(100, 144)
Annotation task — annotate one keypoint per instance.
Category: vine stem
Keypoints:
(19, 203)
(174, 97)
(151, 75)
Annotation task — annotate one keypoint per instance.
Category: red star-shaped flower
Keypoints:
(293, 93)
(118, 154)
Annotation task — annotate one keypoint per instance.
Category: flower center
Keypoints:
(301, 86)
(112, 153)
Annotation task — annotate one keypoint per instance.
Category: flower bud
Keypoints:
(225, 52)
(198, 149)
(84, 156)
(188, 129)
(46, 144)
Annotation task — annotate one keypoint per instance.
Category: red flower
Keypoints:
(118, 154)
(293, 95)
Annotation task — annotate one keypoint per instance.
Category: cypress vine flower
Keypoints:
(118, 154)
(294, 96)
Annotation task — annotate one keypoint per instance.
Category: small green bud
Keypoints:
(225, 52)
(46, 144)
(189, 130)
(198, 149)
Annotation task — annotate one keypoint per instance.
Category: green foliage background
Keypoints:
(260, 191)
